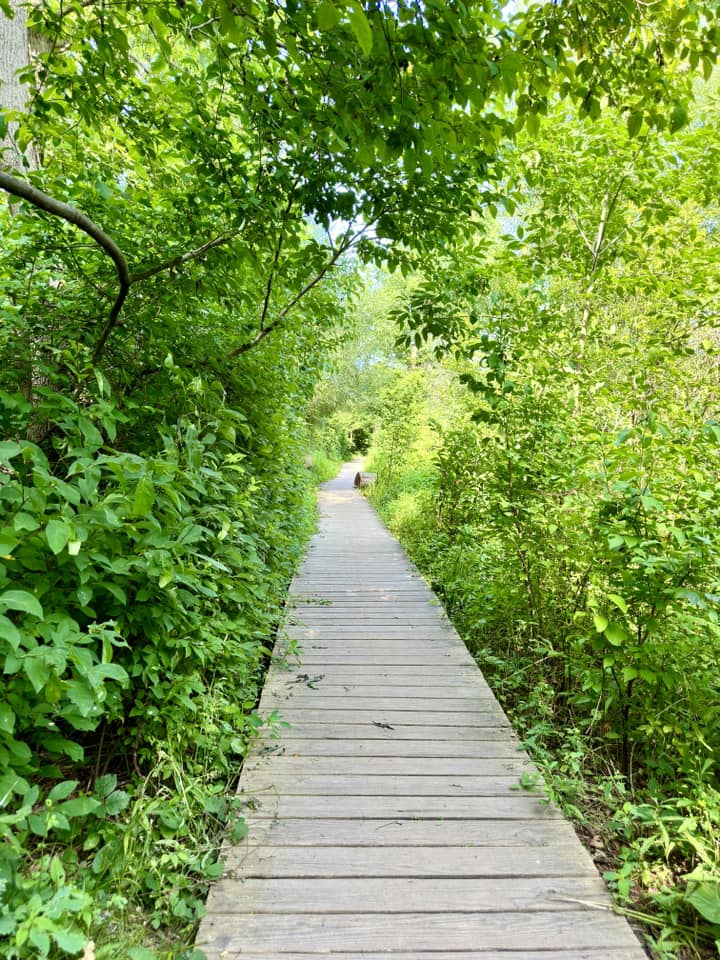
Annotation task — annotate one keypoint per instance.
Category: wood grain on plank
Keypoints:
(299, 698)
(400, 832)
(269, 804)
(386, 766)
(275, 895)
(368, 731)
(385, 861)
(351, 747)
(220, 951)
(421, 931)
(384, 717)
(380, 785)
(372, 692)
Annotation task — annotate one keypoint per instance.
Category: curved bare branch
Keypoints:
(26, 191)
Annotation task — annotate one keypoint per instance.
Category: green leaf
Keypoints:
(360, 26)
(22, 601)
(327, 15)
(116, 803)
(634, 122)
(80, 806)
(38, 938)
(144, 497)
(618, 601)
(62, 790)
(9, 449)
(9, 632)
(705, 897)
(58, 533)
(112, 671)
(600, 621)
(678, 118)
(7, 718)
(37, 672)
(69, 941)
(81, 696)
(615, 634)
(24, 521)
(141, 953)
(8, 541)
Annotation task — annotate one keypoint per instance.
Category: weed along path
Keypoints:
(388, 820)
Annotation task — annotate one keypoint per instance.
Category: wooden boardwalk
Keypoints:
(388, 820)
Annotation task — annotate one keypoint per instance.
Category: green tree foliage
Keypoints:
(563, 501)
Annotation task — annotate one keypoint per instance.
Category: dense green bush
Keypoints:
(139, 595)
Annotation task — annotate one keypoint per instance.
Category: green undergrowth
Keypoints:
(141, 585)
(323, 466)
(653, 825)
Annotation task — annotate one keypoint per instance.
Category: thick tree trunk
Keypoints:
(14, 57)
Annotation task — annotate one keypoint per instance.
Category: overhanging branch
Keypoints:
(182, 258)
(345, 244)
(26, 191)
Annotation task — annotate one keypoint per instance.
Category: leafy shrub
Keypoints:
(139, 593)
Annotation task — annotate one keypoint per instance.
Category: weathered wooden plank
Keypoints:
(479, 953)
(359, 605)
(399, 832)
(447, 675)
(320, 681)
(372, 692)
(278, 895)
(418, 931)
(370, 632)
(364, 569)
(344, 747)
(380, 717)
(452, 673)
(381, 785)
(384, 861)
(361, 596)
(414, 613)
(280, 763)
(400, 731)
(301, 698)
(371, 650)
(514, 807)
(341, 656)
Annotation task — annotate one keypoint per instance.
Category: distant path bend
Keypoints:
(387, 821)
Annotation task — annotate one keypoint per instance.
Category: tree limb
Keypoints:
(263, 332)
(182, 258)
(274, 266)
(25, 191)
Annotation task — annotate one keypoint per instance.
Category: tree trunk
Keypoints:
(14, 57)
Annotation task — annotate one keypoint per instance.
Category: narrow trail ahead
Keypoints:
(388, 821)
